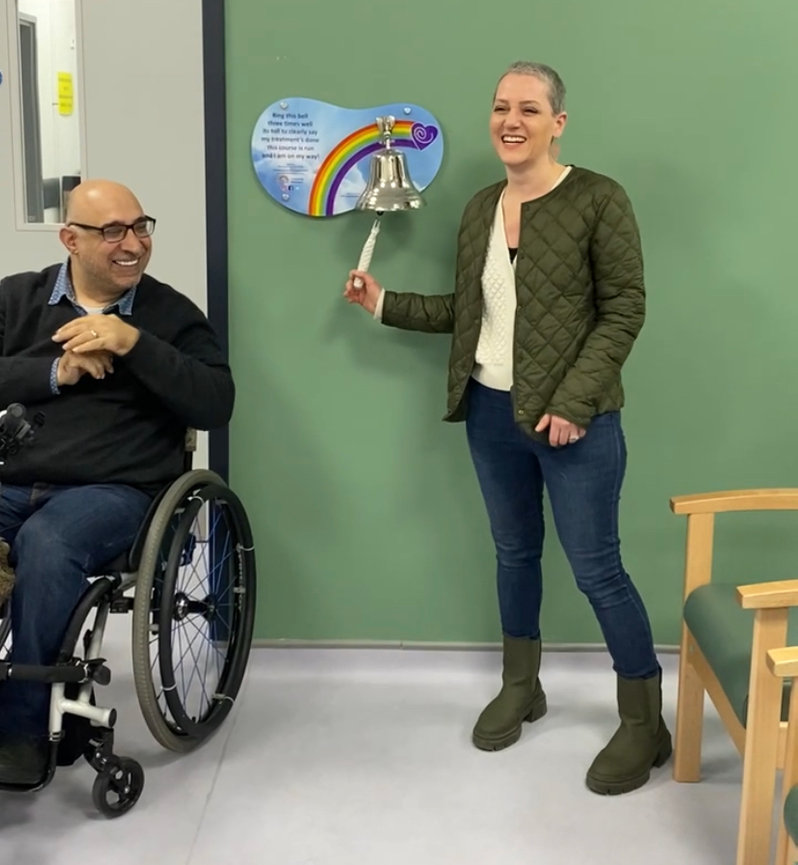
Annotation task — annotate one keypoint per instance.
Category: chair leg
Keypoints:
(786, 852)
(756, 809)
(760, 761)
(689, 717)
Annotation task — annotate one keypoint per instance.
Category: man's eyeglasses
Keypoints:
(115, 232)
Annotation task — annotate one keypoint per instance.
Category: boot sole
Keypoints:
(614, 787)
(485, 743)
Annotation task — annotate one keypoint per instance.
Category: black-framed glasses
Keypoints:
(115, 232)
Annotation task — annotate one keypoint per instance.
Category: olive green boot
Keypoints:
(520, 699)
(642, 740)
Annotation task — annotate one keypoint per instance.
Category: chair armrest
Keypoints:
(736, 500)
(783, 662)
(764, 596)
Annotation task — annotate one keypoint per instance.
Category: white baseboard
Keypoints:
(419, 645)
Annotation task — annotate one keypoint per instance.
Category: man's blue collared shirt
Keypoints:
(63, 289)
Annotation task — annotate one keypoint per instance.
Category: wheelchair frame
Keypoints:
(153, 563)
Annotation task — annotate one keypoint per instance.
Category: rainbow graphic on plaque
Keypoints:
(313, 157)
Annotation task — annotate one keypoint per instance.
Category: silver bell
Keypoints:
(389, 186)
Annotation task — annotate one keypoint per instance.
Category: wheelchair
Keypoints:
(189, 582)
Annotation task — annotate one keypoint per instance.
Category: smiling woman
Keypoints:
(527, 119)
(548, 301)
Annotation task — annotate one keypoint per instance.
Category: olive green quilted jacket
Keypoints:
(581, 300)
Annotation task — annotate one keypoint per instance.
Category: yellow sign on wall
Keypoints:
(65, 93)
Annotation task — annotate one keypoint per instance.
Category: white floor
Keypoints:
(363, 757)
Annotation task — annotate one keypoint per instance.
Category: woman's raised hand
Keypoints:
(367, 295)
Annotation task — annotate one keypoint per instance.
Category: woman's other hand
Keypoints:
(561, 431)
(367, 295)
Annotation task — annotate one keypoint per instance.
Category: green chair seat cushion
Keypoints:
(791, 814)
(723, 631)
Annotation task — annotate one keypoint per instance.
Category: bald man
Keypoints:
(120, 365)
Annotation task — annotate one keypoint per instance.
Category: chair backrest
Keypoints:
(700, 509)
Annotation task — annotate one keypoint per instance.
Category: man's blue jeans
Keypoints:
(584, 484)
(58, 535)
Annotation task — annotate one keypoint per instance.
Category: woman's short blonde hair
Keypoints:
(546, 74)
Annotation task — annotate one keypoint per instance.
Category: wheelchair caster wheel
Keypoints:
(117, 788)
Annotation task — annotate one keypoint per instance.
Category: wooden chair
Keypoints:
(727, 633)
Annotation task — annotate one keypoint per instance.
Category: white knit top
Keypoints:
(493, 364)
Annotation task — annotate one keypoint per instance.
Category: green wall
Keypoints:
(367, 517)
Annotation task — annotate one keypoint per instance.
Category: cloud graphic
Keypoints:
(350, 188)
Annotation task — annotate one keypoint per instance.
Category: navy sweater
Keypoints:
(130, 426)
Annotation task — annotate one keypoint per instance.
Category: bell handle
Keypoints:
(368, 250)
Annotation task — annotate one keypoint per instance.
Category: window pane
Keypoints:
(49, 98)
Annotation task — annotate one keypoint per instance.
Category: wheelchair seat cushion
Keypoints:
(723, 631)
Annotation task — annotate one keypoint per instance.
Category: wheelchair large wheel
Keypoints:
(193, 610)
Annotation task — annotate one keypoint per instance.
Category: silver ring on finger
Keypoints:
(573, 439)
(94, 334)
